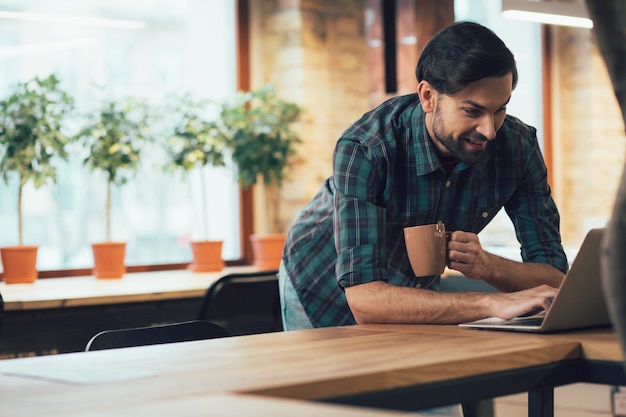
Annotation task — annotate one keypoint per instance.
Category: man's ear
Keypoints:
(427, 95)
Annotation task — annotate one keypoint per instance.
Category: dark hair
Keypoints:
(462, 53)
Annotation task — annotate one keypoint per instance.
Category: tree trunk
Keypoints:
(272, 200)
(19, 212)
(107, 214)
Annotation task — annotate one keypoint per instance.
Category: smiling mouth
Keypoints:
(476, 143)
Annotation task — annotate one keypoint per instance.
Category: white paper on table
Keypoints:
(79, 375)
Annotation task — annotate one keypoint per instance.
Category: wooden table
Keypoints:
(402, 367)
(599, 359)
(233, 405)
(59, 315)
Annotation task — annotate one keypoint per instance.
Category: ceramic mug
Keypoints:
(427, 248)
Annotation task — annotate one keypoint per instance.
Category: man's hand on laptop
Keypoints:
(521, 303)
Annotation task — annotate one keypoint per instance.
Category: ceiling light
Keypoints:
(74, 20)
(548, 12)
(35, 48)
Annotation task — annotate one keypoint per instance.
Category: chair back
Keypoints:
(244, 303)
(154, 335)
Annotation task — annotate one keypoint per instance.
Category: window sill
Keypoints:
(87, 290)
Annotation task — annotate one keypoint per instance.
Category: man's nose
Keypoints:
(487, 127)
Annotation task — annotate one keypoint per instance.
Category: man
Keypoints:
(448, 153)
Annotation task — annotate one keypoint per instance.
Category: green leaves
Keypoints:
(253, 128)
(192, 137)
(114, 136)
(31, 123)
(257, 127)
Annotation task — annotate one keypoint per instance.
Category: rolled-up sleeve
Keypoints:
(359, 217)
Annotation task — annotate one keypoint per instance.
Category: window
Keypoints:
(113, 49)
(526, 101)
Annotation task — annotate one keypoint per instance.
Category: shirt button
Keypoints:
(485, 214)
(448, 183)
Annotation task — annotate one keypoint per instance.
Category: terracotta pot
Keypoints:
(207, 256)
(19, 264)
(108, 259)
(267, 249)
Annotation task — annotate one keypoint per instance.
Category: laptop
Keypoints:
(579, 303)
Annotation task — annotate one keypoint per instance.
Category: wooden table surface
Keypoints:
(305, 365)
(132, 287)
(595, 344)
(232, 405)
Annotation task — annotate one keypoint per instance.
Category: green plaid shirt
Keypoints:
(386, 176)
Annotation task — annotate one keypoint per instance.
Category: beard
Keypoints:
(457, 146)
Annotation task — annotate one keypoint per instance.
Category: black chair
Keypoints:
(244, 303)
(154, 335)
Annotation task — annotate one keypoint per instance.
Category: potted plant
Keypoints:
(192, 144)
(258, 128)
(31, 136)
(114, 136)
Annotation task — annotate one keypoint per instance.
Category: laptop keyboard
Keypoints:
(524, 321)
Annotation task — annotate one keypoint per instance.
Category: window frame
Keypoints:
(246, 203)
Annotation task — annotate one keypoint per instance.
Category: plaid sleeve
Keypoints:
(535, 215)
(359, 218)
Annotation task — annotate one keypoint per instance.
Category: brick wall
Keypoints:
(314, 52)
(588, 136)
